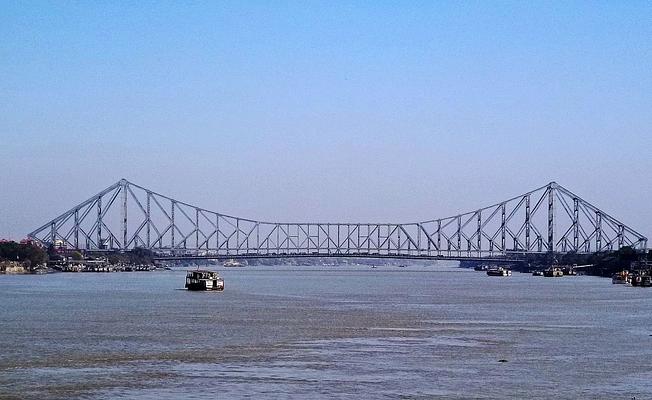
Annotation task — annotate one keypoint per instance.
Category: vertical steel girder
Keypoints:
(551, 217)
(99, 222)
(527, 222)
(123, 189)
(576, 218)
(174, 227)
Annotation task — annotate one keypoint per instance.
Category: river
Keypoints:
(324, 332)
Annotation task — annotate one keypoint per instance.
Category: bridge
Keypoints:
(549, 219)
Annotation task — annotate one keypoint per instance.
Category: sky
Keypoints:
(304, 111)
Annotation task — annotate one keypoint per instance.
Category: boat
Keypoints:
(204, 280)
(233, 263)
(641, 279)
(568, 270)
(537, 273)
(480, 268)
(620, 278)
(553, 272)
(402, 266)
(646, 281)
(499, 271)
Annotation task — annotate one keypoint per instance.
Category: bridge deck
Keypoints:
(342, 255)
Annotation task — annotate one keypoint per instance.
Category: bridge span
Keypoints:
(549, 219)
(194, 256)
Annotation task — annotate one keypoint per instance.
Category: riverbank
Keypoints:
(12, 267)
(603, 264)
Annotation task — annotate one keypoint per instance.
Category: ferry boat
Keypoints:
(233, 263)
(500, 271)
(204, 280)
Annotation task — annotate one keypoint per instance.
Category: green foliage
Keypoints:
(135, 256)
(608, 263)
(13, 251)
(140, 255)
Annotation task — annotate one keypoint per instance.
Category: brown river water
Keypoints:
(435, 332)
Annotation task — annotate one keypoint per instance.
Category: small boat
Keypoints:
(204, 280)
(553, 272)
(646, 281)
(233, 263)
(500, 271)
(641, 279)
(537, 273)
(569, 270)
(480, 268)
(402, 266)
(620, 278)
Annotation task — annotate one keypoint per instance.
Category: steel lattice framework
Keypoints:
(548, 219)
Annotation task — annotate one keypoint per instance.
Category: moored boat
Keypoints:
(641, 279)
(499, 271)
(620, 278)
(553, 272)
(646, 281)
(233, 263)
(204, 280)
(537, 273)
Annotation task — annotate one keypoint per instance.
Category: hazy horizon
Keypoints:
(318, 111)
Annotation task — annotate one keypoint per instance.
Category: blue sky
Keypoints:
(325, 110)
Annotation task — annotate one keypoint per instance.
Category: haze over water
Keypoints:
(324, 332)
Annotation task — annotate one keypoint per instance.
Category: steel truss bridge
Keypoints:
(550, 219)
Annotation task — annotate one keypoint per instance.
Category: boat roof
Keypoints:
(202, 271)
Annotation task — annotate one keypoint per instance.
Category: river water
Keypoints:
(324, 332)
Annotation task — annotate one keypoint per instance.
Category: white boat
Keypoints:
(232, 263)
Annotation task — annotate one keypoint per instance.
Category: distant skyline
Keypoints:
(325, 111)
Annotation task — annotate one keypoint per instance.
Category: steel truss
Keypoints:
(125, 216)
